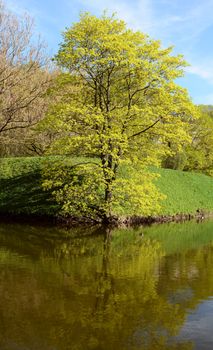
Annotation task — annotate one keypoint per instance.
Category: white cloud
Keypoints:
(137, 14)
(172, 21)
(160, 15)
(33, 11)
(20, 8)
(204, 71)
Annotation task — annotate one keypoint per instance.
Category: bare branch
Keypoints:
(24, 72)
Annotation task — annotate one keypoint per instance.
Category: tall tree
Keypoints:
(122, 105)
(24, 76)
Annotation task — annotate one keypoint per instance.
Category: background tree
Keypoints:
(24, 74)
(199, 152)
(196, 155)
(124, 106)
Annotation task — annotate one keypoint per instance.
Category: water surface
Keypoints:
(148, 288)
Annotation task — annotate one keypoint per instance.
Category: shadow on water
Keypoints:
(98, 289)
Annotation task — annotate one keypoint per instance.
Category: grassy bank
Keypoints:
(20, 188)
(21, 193)
(186, 192)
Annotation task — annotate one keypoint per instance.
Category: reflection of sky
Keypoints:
(180, 296)
(199, 327)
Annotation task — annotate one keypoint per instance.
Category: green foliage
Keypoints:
(196, 155)
(71, 180)
(116, 101)
(176, 161)
(135, 191)
(199, 152)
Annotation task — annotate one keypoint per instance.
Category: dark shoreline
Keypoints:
(114, 221)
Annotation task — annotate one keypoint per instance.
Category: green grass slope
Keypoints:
(186, 192)
(21, 193)
(20, 188)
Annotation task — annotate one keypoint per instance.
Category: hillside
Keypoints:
(186, 192)
(21, 193)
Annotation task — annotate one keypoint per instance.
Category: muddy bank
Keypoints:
(46, 220)
(148, 220)
(136, 220)
(114, 221)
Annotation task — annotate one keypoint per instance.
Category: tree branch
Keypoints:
(144, 130)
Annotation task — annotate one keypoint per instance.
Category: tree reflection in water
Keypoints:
(98, 289)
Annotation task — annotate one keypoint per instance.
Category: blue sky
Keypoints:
(186, 24)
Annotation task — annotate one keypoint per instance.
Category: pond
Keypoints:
(147, 288)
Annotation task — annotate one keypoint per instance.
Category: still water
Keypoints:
(148, 288)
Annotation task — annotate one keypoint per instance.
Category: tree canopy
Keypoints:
(120, 104)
